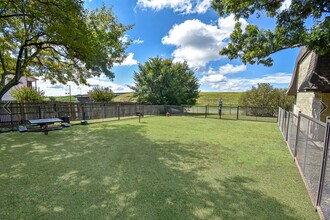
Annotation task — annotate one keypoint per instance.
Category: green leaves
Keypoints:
(162, 82)
(101, 94)
(265, 95)
(58, 40)
(23, 93)
(304, 23)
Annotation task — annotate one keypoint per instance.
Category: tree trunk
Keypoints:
(18, 74)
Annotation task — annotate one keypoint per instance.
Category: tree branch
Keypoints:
(3, 64)
(12, 15)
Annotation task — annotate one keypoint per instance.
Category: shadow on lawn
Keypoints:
(115, 172)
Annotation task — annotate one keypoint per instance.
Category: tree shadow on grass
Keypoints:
(116, 172)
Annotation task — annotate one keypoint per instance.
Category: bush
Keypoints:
(101, 94)
(52, 98)
(26, 94)
(267, 97)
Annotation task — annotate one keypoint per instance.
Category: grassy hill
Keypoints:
(62, 98)
(128, 97)
(212, 98)
(205, 98)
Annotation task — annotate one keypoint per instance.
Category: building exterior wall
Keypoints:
(304, 100)
(303, 69)
(304, 103)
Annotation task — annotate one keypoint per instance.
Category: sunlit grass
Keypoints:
(161, 168)
(212, 98)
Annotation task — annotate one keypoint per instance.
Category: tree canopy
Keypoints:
(101, 94)
(303, 23)
(163, 82)
(265, 95)
(57, 40)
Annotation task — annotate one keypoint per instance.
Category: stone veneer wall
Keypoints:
(304, 103)
(303, 69)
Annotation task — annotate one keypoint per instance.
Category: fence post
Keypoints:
(205, 111)
(237, 112)
(39, 111)
(287, 128)
(283, 122)
(104, 110)
(11, 118)
(83, 113)
(279, 115)
(324, 162)
(297, 135)
(118, 111)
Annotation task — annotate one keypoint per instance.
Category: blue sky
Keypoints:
(184, 30)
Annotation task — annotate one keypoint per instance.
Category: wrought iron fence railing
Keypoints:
(308, 142)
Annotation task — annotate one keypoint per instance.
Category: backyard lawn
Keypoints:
(161, 168)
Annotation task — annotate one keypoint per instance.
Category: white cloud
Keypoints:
(224, 84)
(103, 81)
(276, 78)
(181, 6)
(63, 90)
(199, 43)
(138, 41)
(129, 61)
(227, 69)
(285, 5)
(213, 79)
(125, 39)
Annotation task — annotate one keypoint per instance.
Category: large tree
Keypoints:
(57, 40)
(303, 23)
(163, 82)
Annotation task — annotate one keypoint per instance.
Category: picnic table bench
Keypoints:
(44, 122)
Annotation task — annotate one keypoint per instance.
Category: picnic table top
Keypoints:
(44, 120)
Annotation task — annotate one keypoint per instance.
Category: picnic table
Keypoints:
(44, 122)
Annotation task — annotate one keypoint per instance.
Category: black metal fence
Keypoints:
(13, 114)
(308, 141)
(233, 112)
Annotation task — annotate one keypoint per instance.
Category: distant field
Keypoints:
(63, 98)
(125, 98)
(205, 98)
(212, 98)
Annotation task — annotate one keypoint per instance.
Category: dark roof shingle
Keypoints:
(318, 76)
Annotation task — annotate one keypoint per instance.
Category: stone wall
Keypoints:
(304, 103)
(303, 69)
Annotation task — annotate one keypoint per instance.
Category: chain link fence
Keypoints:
(308, 141)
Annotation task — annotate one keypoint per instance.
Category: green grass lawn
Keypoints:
(161, 168)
